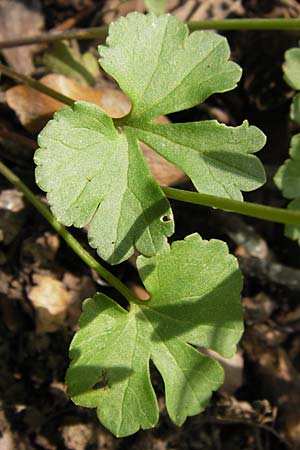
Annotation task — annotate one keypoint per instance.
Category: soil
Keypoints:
(258, 408)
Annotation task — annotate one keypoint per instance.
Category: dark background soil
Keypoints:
(259, 406)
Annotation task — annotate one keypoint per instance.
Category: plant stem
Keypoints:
(8, 71)
(88, 33)
(248, 209)
(67, 236)
(256, 210)
(101, 32)
(246, 24)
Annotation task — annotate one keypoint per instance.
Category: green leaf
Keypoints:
(291, 68)
(61, 58)
(95, 174)
(156, 6)
(295, 108)
(287, 179)
(162, 68)
(195, 301)
(217, 158)
(167, 70)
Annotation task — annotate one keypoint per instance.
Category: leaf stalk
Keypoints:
(34, 84)
(279, 215)
(101, 32)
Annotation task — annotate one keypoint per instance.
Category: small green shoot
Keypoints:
(67, 60)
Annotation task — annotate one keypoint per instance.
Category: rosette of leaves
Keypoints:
(195, 301)
(287, 178)
(92, 166)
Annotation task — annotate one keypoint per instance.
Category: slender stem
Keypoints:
(246, 24)
(88, 33)
(67, 236)
(101, 32)
(8, 71)
(256, 210)
(248, 209)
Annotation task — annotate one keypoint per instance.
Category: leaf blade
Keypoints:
(217, 158)
(167, 64)
(94, 174)
(118, 380)
(189, 376)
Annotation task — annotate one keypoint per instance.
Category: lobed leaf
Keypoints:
(162, 68)
(92, 173)
(92, 167)
(174, 71)
(195, 290)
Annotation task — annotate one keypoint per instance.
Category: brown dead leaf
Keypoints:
(20, 19)
(112, 9)
(35, 109)
(51, 301)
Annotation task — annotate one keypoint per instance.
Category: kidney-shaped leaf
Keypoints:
(92, 173)
(195, 300)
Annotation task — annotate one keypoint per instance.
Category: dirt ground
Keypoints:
(258, 407)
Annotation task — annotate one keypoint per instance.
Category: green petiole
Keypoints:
(256, 210)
